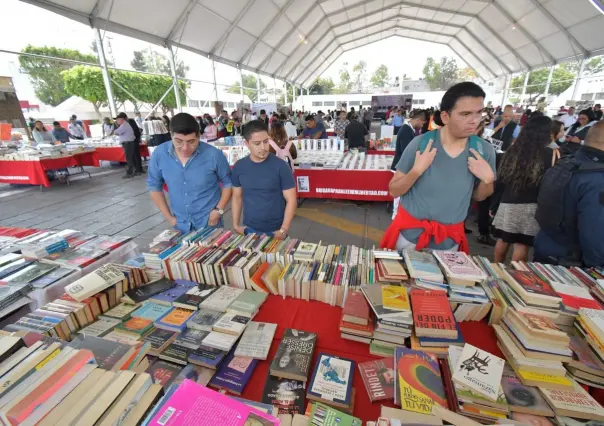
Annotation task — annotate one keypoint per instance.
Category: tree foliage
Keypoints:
(359, 72)
(45, 74)
(152, 61)
(592, 66)
(380, 76)
(345, 84)
(440, 75)
(466, 74)
(322, 86)
(249, 87)
(562, 79)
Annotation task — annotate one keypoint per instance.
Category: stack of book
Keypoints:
(469, 303)
(522, 398)
(590, 327)
(535, 348)
(435, 328)
(393, 319)
(423, 266)
(586, 366)
(459, 268)
(356, 323)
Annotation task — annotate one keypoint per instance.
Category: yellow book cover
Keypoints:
(544, 378)
(177, 317)
(419, 384)
(395, 297)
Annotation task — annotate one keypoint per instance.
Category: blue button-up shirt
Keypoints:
(195, 187)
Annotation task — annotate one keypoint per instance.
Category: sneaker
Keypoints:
(486, 240)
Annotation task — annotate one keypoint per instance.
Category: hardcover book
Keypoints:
(521, 398)
(479, 371)
(574, 402)
(294, 355)
(204, 319)
(378, 378)
(256, 340)
(395, 298)
(231, 324)
(151, 311)
(432, 314)
(140, 294)
(356, 309)
(192, 403)
(331, 381)
(195, 296)
(247, 303)
(287, 395)
(234, 373)
(222, 298)
(419, 384)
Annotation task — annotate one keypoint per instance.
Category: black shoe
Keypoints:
(468, 231)
(486, 240)
(127, 176)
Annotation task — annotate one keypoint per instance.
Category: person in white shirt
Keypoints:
(246, 117)
(569, 118)
(139, 120)
(76, 130)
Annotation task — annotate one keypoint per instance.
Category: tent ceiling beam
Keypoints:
(181, 20)
(504, 42)
(399, 4)
(313, 59)
(570, 37)
(319, 66)
(465, 46)
(280, 67)
(228, 32)
(485, 47)
(264, 31)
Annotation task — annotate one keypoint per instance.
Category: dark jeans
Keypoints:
(368, 124)
(484, 220)
(396, 129)
(133, 157)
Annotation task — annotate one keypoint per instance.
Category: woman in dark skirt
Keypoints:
(521, 171)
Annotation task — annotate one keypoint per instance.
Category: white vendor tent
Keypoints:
(297, 40)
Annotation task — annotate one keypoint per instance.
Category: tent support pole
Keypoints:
(275, 92)
(526, 79)
(578, 79)
(506, 89)
(106, 78)
(257, 87)
(214, 80)
(174, 78)
(549, 82)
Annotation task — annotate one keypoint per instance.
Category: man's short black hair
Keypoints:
(262, 111)
(310, 117)
(282, 117)
(184, 124)
(223, 111)
(252, 127)
(598, 105)
(418, 113)
(456, 92)
(56, 123)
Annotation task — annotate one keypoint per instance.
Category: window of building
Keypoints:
(353, 103)
(329, 103)
(587, 96)
(600, 95)
(366, 103)
(406, 87)
(421, 101)
(203, 104)
(315, 103)
(193, 104)
(415, 101)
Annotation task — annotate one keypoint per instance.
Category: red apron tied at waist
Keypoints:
(403, 221)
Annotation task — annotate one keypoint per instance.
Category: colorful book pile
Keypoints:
(356, 323)
(423, 266)
(393, 319)
(459, 268)
(435, 328)
(535, 348)
(286, 382)
(590, 351)
(469, 303)
(389, 267)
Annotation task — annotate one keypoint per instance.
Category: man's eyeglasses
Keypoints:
(180, 144)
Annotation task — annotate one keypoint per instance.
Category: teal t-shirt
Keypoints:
(443, 192)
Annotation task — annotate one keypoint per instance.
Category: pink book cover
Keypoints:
(459, 263)
(222, 239)
(194, 404)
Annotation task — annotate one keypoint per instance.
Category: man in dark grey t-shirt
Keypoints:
(437, 185)
(263, 184)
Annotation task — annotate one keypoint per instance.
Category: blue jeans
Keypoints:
(249, 230)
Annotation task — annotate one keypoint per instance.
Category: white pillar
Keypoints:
(285, 91)
(274, 91)
(175, 78)
(578, 79)
(240, 83)
(302, 98)
(106, 79)
(506, 89)
(549, 82)
(257, 87)
(293, 95)
(526, 79)
(400, 84)
(214, 80)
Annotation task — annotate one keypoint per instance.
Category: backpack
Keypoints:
(135, 129)
(475, 142)
(283, 153)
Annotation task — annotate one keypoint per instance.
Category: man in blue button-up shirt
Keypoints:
(197, 174)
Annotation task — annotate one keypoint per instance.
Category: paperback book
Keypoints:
(331, 381)
(479, 371)
(285, 394)
(256, 340)
(204, 319)
(294, 355)
(378, 378)
(521, 398)
(234, 374)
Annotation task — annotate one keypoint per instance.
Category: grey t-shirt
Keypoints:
(443, 192)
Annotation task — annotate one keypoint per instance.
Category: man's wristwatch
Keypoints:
(220, 211)
(283, 231)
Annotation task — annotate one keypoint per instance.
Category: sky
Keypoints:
(25, 24)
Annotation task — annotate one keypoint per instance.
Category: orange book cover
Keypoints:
(257, 277)
(135, 325)
(177, 317)
(352, 326)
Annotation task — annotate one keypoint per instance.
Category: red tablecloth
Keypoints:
(324, 319)
(116, 153)
(380, 152)
(33, 172)
(88, 158)
(344, 185)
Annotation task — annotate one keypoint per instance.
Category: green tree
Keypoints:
(440, 75)
(345, 84)
(360, 74)
(45, 74)
(592, 66)
(380, 76)
(249, 87)
(322, 86)
(152, 61)
(87, 83)
(466, 73)
(562, 79)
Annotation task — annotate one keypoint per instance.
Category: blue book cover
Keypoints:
(151, 311)
(169, 296)
(332, 379)
(207, 357)
(11, 268)
(234, 373)
(137, 262)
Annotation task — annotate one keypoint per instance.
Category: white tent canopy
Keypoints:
(297, 40)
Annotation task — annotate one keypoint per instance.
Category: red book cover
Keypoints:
(352, 326)
(378, 377)
(431, 309)
(356, 305)
(532, 283)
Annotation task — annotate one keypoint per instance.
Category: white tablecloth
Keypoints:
(42, 296)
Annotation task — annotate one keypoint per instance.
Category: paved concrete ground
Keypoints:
(107, 204)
